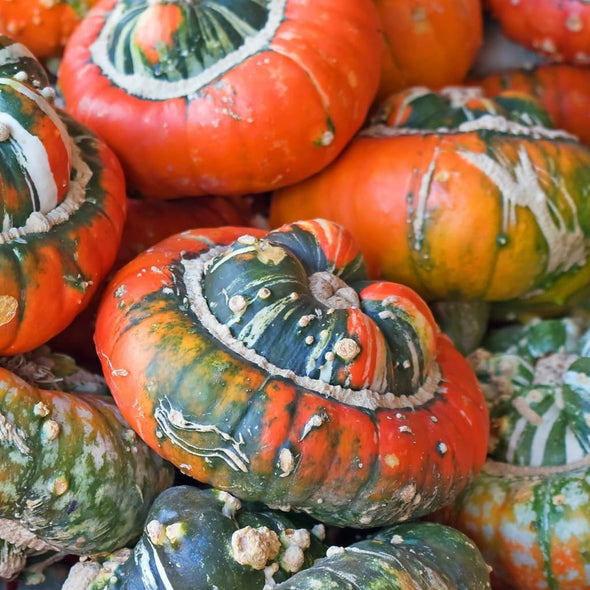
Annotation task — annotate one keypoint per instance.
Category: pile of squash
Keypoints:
(294, 294)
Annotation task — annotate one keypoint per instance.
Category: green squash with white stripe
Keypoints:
(529, 508)
(200, 539)
(74, 478)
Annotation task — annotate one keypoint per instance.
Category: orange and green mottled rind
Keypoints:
(269, 367)
(460, 197)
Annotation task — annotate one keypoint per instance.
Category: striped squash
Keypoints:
(62, 209)
(268, 366)
(529, 508)
(225, 98)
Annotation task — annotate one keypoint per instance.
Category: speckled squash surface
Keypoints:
(75, 479)
(558, 30)
(197, 539)
(529, 508)
(43, 26)
(62, 209)
(409, 556)
(460, 197)
(232, 100)
(268, 366)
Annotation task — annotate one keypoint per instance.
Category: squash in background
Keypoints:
(196, 100)
(268, 366)
(43, 26)
(529, 508)
(558, 30)
(428, 42)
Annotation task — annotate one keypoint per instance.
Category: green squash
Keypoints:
(200, 539)
(408, 556)
(75, 479)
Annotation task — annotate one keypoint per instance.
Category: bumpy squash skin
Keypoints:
(265, 433)
(557, 30)
(417, 556)
(191, 540)
(215, 113)
(73, 473)
(528, 509)
(444, 204)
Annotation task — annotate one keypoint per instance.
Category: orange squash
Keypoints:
(460, 197)
(196, 100)
(558, 30)
(428, 42)
(562, 89)
(266, 365)
(44, 26)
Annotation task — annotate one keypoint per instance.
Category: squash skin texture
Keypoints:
(527, 510)
(445, 205)
(195, 538)
(74, 476)
(264, 433)
(48, 277)
(267, 118)
(417, 555)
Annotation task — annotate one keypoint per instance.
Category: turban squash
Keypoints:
(268, 366)
(198, 539)
(63, 207)
(461, 197)
(196, 99)
(43, 26)
(75, 479)
(558, 30)
(528, 510)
